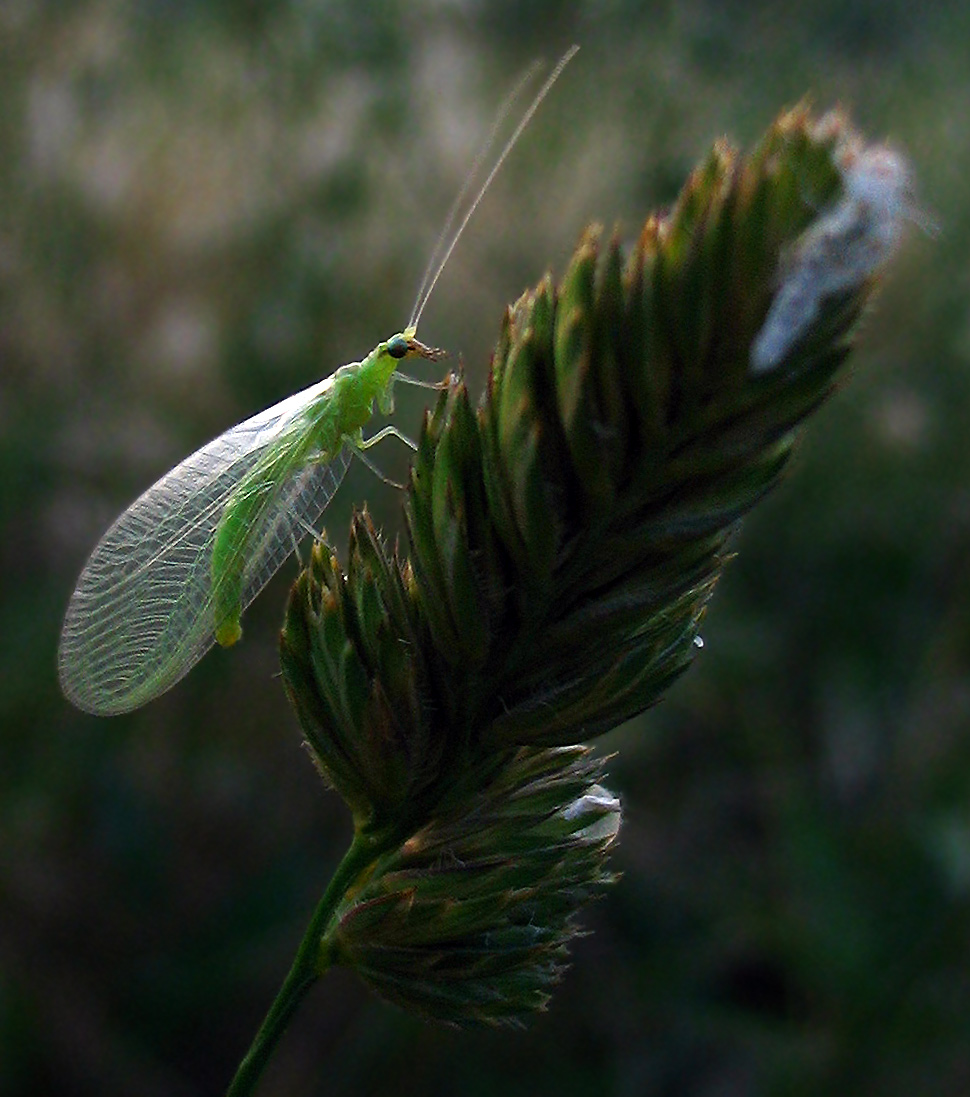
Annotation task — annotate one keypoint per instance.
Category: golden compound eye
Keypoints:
(397, 346)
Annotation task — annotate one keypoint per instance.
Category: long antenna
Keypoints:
(429, 281)
(471, 175)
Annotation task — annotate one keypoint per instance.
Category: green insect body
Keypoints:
(175, 572)
(335, 418)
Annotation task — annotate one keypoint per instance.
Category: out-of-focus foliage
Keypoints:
(207, 205)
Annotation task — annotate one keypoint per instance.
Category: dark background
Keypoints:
(206, 206)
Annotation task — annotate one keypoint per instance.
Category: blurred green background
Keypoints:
(205, 206)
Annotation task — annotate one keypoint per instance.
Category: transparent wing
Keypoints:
(141, 614)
